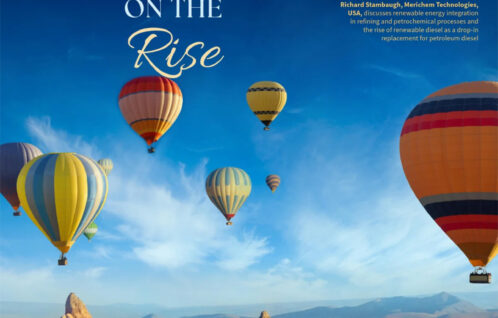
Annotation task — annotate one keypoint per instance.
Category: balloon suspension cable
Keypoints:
(480, 270)
(17, 213)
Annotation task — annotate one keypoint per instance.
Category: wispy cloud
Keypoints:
(52, 140)
(395, 72)
(95, 272)
(162, 209)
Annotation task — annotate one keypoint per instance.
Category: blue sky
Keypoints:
(344, 222)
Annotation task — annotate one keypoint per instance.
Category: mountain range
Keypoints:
(442, 305)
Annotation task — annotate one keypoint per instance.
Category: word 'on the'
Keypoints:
(204, 8)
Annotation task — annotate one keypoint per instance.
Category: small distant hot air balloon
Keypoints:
(13, 156)
(449, 152)
(150, 105)
(266, 100)
(91, 230)
(106, 164)
(228, 188)
(62, 193)
(273, 181)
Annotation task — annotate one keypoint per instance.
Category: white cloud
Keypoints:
(395, 71)
(51, 140)
(239, 254)
(95, 272)
(161, 208)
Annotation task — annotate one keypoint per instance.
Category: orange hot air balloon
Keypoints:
(449, 152)
(150, 105)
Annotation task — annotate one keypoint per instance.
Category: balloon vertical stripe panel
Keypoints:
(13, 156)
(449, 151)
(228, 188)
(62, 194)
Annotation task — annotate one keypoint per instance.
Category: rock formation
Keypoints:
(264, 314)
(75, 308)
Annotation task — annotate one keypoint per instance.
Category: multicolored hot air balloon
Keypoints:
(273, 181)
(106, 164)
(228, 188)
(266, 100)
(449, 152)
(91, 230)
(13, 156)
(150, 105)
(62, 193)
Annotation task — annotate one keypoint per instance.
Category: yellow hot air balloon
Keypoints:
(266, 100)
(150, 105)
(449, 152)
(106, 164)
(228, 188)
(62, 193)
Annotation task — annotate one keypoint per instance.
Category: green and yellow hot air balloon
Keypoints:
(449, 152)
(266, 100)
(106, 164)
(90, 231)
(228, 188)
(62, 193)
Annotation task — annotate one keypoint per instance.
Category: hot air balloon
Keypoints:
(150, 105)
(106, 164)
(91, 230)
(266, 100)
(13, 156)
(62, 193)
(228, 188)
(449, 152)
(273, 181)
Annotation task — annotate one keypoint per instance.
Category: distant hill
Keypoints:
(442, 305)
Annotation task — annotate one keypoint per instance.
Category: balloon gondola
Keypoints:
(449, 152)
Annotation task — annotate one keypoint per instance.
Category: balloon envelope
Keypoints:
(266, 100)
(106, 164)
(449, 152)
(228, 188)
(13, 156)
(273, 181)
(62, 193)
(150, 105)
(90, 231)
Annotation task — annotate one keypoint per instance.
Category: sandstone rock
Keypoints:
(264, 314)
(75, 308)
